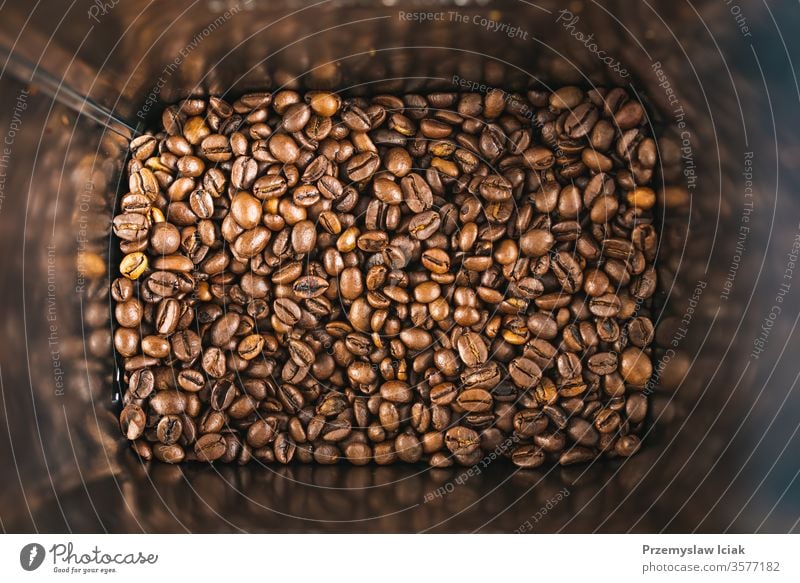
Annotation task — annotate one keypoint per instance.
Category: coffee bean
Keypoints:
(536, 242)
(133, 265)
(472, 349)
(396, 392)
(132, 421)
(475, 400)
(210, 447)
(191, 380)
(141, 383)
(635, 367)
(310, 286)
(524, 372)
(362, 166)
(603, 363)
(423, 225)
(582, 432)
(169, 454)
(528, 456)
(386, 278)
(169, 429)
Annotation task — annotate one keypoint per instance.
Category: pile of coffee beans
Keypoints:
(434, 278)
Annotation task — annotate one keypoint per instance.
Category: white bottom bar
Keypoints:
(399, 558)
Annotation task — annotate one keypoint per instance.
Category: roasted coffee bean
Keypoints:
(475, 400)
(635, 367)
(169, 429)
(310, 286)
(528, 456)
(191, 381)
(524, 372)
(386, 278)
(416, 193)
(210, 447)
(186, 345)
(603, 363)
(132, 421)
(472, 349)
(423, 225)
(141, 383)
(462, 440)
(168, 402)
(169, 454)
(640, 331)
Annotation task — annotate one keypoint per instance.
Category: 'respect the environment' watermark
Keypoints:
(744, 227)
(183, 54)
(51, 312)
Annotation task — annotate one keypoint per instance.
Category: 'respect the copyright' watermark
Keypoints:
(491, 25)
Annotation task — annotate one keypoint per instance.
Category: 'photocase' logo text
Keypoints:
(31, 556)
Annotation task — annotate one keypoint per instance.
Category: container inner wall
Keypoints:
(724, 417)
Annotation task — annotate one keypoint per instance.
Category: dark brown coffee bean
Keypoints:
(132, 421)
(141, 383)
(635, 367)
(362, 166)
(169, 429)
(214, 362)
(168, 402)
(186, 345)
(524, 372)
(191, 381)
(462, 440)
(536, 242)
(424, 225)
(603, 363)
(210, 447)
(472, 349)
(310, 286)
(475, 400)
(495, 188)
(527, 456)
(169, 454)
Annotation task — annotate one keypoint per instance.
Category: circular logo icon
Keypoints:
(31, 556)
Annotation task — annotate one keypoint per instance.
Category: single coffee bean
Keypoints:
(462, 440)
(210, 447)
(169, 429)
(132, 421)
(475, 400)
(424, 225)
(472, 349)
(528, 456)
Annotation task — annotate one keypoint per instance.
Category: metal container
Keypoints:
(78, 80)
